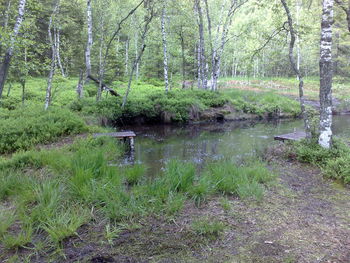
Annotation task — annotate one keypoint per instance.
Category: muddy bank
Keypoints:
(196, 115)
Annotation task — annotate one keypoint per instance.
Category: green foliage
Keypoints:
(334, 162)
(65, 223)
(208, 227)
(56, 199)
(24, 128)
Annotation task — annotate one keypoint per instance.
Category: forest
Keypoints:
(175, 131)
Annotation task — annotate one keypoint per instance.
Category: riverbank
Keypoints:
(302, 217)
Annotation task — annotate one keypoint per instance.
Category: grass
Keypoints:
(52, 193)
(208, 227)
(334, 163)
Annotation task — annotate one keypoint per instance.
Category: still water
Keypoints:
(157, 144)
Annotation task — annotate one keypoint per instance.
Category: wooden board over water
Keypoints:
(295, 136)
(119, 135)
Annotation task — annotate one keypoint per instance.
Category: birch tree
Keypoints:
(53, 57)
(165, 51)
(4, 68)
(326, 74)
(295, 67)
(202, 61)
(218, 45)
(89, 38)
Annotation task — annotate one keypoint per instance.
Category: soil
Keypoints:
(302, 218)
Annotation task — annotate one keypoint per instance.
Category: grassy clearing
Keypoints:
(288, 86)
(48, 195)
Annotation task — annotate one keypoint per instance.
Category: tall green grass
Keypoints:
(57, 194)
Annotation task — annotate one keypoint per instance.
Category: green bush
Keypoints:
(24, 128)
(334, 162)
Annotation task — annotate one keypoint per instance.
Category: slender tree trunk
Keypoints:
(80, 85)
(296, 70)
(136, 55)
(298, 7)
(203, 63)
(165, 52)
(127, 57)
(89, 40)
(219, 49)
(53, 61)
(326, 74)
(4, 68)
(101, 67)
(183, 59)
(148, 19)
(5, 21)
(58, 53)
(199, 65)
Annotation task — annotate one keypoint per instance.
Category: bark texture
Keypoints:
(202, 61)
(4, 68)
(53, 59)
(165, 48)
(326, 74)
(295, 67)
(90, 40)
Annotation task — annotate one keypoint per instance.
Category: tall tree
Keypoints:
(296, 69)
(89, 38)
(4, 68)
(326, 74)
(202, 61)
(165, 47)
(53, 55)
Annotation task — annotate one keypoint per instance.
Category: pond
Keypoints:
(156, 144)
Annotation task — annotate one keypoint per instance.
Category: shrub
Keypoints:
(334, 162)
(24, 128)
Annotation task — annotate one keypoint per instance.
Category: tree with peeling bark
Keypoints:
(296, 69)
(53, 56)
(4, 68)
(326, 74)
(165, 48)
(89, 37)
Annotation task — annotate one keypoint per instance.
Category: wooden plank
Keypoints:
(295, 136)
(120, 135)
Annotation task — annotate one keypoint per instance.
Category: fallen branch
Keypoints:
(104, 86)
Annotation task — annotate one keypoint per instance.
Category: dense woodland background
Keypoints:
(256, 44)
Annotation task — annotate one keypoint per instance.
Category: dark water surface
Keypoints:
(157, 144)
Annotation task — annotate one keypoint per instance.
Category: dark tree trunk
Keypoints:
(296, 70)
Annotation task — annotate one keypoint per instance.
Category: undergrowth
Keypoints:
(334, 162)
(50, 194)
(24, 128)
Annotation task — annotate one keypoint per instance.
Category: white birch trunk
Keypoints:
(58, 53)
(90, 39)
(4, 68)
(165, 52)
(326, 74)
(53, 62)
(127, 57)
